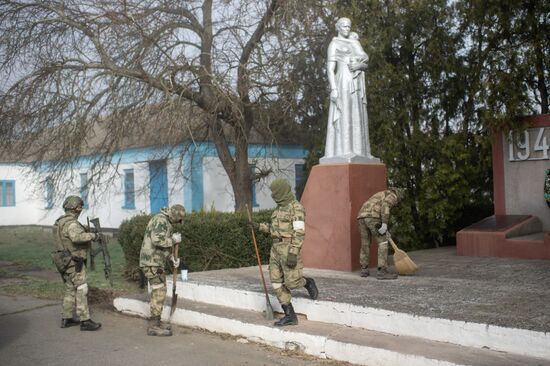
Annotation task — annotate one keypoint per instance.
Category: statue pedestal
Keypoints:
(332, 198)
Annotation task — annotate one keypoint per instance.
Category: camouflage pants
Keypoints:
(283, 279)
(157, 280)
(76, 294)
(368, 232)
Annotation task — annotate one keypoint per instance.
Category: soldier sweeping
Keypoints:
(156, 252)
(373, 223)
(287, 229)
(72, 243)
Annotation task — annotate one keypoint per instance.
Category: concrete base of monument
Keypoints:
(349, 159)
(454, 311)
(332, 198)
(512, 236)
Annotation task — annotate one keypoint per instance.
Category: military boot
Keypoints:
(290, 317)
(69, 322)
(364, 272)
(311, 288)
(385, 274)
(89, 325)
(156, 328)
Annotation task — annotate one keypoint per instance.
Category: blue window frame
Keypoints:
(84, 188)
(300, 179)
(252, 168)
(129, 191)
(48, 187)
(7, 193)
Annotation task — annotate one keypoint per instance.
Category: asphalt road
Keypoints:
(30, 335)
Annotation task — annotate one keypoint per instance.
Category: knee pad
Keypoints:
(83, 288)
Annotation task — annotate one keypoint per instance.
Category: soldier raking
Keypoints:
(287, 229)
(156, 251)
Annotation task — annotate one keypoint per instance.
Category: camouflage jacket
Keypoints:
(379, 206)
(288, 222)
(72, 235)
(157, 241)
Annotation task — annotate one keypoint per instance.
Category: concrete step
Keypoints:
(328, 340)
(476, 335)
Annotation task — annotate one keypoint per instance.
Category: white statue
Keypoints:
(347, 130)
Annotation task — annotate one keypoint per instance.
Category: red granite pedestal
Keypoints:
(332, 198)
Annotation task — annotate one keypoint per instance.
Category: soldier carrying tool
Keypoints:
(373, 224)
(156, 252)
(72, 243)
(287, 229)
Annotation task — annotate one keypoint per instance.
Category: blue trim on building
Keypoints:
(4, 192)
(129, 190)
(193, 154)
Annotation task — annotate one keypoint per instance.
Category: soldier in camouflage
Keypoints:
(287, 229)
(373, 224)
(72, 243)
(156, 252)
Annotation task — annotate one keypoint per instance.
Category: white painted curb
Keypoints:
(316, 345)
(511, 340)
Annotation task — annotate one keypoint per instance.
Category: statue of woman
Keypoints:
(347, 131)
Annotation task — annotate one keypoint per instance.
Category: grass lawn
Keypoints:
(29, 248)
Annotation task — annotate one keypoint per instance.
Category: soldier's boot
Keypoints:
(69, 322)
(364, 272)
(385, 274)
(89, 325)
(311, 288)
(290, 317)
(156, 328)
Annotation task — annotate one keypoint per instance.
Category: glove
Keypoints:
(383, 229)
(253, 225)
(291, 260)
(176, 238)
(174, 261)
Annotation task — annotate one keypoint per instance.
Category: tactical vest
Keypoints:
(62, 241)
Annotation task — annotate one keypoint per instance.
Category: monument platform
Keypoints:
(512, 236)
(456, 310)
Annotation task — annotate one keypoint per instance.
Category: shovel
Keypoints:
(174, 279)
(403, 264)
(268, 307)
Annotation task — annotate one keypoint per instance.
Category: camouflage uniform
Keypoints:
(374, 212)
(72, 238)
(287, 229)
(156, 249)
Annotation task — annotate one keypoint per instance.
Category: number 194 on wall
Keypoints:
(531, 144)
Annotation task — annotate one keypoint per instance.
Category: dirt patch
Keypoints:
(45, 274)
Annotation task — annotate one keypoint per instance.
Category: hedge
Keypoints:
(210, 240)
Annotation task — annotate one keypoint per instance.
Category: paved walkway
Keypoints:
(500, 291)
(30, 335)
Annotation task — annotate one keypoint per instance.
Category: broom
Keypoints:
(403, 264)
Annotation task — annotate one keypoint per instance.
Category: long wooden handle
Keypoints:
(175, 271)
(257, 252)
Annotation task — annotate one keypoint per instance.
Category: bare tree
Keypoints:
(71, 65)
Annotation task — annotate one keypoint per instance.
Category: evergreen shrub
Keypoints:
(210, 240)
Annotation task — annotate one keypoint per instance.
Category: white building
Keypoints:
(142, 179)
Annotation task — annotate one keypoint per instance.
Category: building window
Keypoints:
(84, 188)
(49, 193)
(7, 193)
(253, 185)
(300, 180)
(129, 192)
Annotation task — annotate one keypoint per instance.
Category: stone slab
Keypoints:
(332, 198)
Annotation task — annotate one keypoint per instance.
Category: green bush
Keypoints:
(210, 240)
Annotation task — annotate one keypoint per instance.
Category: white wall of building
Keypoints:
(106, 199)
